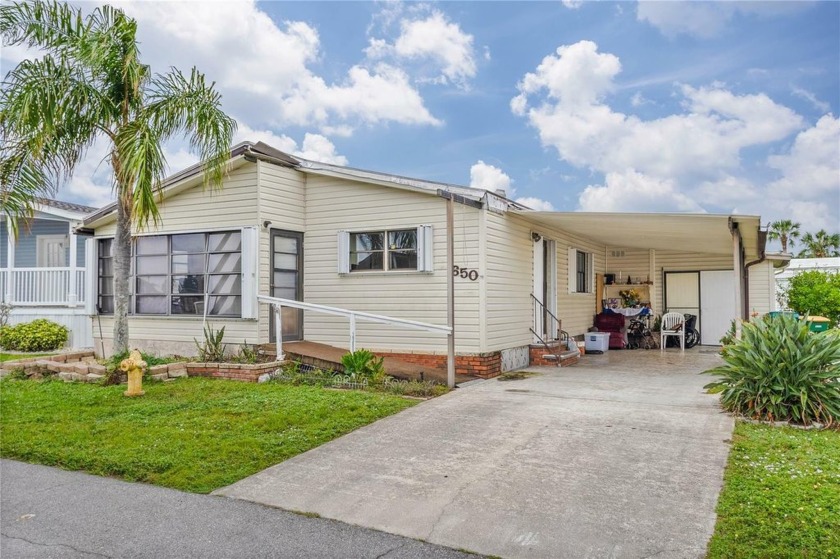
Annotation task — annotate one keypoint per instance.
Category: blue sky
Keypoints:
(718, 107)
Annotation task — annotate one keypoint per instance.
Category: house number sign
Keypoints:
(464, 273)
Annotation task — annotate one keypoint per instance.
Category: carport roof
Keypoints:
(706, 233)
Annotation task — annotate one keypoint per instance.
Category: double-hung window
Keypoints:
(581, 271)
(179, 274)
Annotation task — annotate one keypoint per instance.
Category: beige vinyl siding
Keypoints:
(193, 209)
(762, 282)
(510, 280)
(282, 198)
(163, 335)
(334, 204)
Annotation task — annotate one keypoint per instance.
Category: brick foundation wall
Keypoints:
(484, 365)
(231, 371)
(537, 352)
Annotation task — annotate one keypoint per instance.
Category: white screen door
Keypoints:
(717, 304)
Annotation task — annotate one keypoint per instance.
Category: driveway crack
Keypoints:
(388, 552)
(64, 545)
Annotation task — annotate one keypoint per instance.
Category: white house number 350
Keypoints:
(464, 273)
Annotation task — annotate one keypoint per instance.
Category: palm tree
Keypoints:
(784, 231)
(90, 84)
(820, 245)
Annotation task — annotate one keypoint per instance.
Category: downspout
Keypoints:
(737, 266)
(762, 243)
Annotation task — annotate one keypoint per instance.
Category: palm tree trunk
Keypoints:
(122, 273)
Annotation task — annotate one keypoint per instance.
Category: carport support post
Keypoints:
(738, 269)
(450, 293)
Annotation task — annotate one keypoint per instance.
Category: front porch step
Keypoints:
(328, 357)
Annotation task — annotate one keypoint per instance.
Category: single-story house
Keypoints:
(375, 242)
(43, 273)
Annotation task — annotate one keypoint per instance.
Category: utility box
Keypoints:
(597, 341)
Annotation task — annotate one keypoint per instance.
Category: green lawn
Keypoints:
(16, 356)
(193, 434)
(781, 495)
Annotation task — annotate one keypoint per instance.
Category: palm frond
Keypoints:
(141, 169)
(52, 26)
(180, 105)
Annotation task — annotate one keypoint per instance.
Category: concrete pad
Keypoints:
(619, 456)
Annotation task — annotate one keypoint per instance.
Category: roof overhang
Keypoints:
(703, 233)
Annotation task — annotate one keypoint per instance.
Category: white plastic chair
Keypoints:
(673, 324)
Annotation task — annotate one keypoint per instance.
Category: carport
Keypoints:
(719, 292)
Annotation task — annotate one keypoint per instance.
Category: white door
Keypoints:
(717, 305)
(682, 294)
(51, 251)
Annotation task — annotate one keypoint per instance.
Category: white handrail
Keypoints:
(277, 303)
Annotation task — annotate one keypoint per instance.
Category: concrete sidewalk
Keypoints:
(620, 456)
(51, 513)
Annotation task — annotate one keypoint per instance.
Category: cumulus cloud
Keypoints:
(649, 165)
(810, 174)
(631, 191)
(314, 147)
(573, 4)
(264, 69)
(489, 177)
(705, 19)
(435, 41)
(536, 203)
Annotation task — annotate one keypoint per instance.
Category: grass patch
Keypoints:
(781, 495)
(515, 375)
(15, 356)
(194, 434)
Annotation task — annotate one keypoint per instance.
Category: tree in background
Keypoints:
(820, 245)
(90, 84)
(784, 231)
(815, 293)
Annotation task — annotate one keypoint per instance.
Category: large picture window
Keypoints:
(179, 274)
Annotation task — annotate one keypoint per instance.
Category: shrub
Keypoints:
(779, 371)
(815, 293)
(213, 348)
(38, 335)
(363, 363)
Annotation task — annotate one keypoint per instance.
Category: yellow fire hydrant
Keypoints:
(134, 367)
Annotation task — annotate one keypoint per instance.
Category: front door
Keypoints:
(287, 280)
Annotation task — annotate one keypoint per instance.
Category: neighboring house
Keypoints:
(374, 242)
(42, 273)
(799, 265)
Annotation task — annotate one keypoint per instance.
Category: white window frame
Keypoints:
(589, 272)
(425, 241)
(41, 253)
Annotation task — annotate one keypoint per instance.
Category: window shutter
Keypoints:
(250, 259)
(425, 249)
(91, 275)
(572, 275)
(590, 273)
(343, 252)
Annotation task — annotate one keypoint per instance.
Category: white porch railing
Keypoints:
(29, 287)
(277, 303)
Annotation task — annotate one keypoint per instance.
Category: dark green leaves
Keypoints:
(780, 371)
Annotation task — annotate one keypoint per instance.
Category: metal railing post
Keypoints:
(352, 333)
(278, 332)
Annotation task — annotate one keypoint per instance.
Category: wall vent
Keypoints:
(617, 254)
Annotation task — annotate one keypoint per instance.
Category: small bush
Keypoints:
(213, 348)
(38, 335)
(779, 371)
(363, 363)
(815, 293)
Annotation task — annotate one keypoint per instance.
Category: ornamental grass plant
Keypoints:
(780, 371)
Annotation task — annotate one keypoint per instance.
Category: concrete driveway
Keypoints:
(621, 455)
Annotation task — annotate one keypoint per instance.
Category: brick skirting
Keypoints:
(537, 355)
(232, 371)
(484, 365)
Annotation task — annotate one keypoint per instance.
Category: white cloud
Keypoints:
(631, 191)
(433, 39)
(536, 203)
(264, 69)
(810, 175)
(565, 101)
(489, 177)
(638, 99)
(705, 19)
(573, 4)
(821, 106)
(315, 146)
